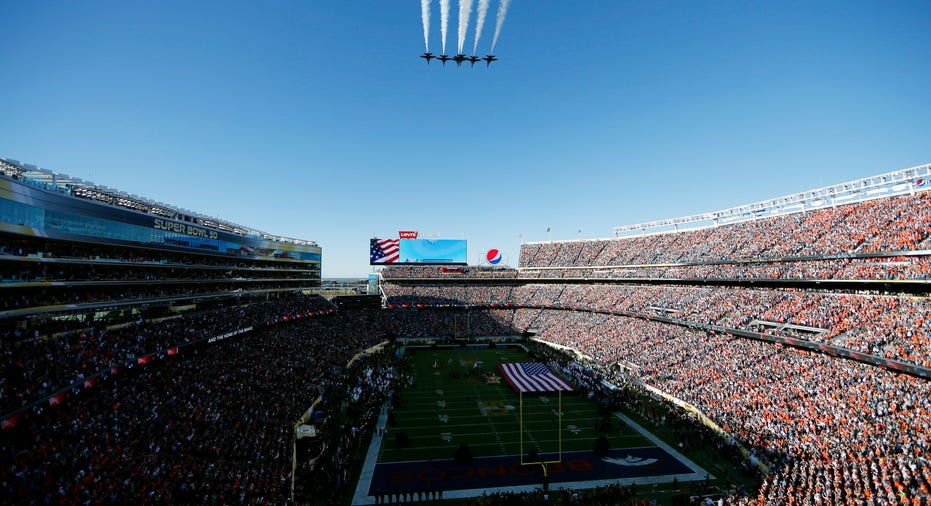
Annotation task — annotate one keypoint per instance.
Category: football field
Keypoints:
(459, 397)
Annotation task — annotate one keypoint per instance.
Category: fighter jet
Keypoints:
(459, 58)
(474, 59)
(488, 59)
(443, 58)
(427, 56)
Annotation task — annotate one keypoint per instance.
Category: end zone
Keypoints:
(578, 470)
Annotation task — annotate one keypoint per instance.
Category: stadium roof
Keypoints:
(76, 187)
(900, 182)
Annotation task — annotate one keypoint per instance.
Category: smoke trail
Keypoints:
(425, 16)
(480, 22)
(465, 12)
(444, 20)
(502, 12)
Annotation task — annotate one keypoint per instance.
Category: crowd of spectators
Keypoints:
(890, 326)
(406, 296)
(365, 387)
(791, 246)
(860, 268)
(607, 495)
(214, 426)
(881, 225)
(832, 431)
(49, 297)
(441, 271)
(448, 323)
(12, 272)
(35, 366)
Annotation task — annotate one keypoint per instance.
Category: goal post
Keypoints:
(542, 462)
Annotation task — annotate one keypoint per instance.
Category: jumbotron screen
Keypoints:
(417, 251)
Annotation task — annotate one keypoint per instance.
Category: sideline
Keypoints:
(371, 458)
(672, 451)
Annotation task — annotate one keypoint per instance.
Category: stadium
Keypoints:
(778, 352)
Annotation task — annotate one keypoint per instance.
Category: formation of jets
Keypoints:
(459, 59)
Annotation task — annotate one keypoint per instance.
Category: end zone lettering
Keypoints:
(181, 228)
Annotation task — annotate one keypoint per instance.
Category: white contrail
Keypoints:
(480, 22)
(502, 12)
(425, 16)
(444, 20)
(465, 12)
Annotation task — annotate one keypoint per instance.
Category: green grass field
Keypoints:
(451, 404)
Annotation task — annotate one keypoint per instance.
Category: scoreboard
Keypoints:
(417, 252)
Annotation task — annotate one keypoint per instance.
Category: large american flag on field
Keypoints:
(384, 251)
(533, 377)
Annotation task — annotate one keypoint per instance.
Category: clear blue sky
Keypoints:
(316, 120)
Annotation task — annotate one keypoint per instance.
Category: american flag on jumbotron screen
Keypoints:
(384, 251)
(533, 377)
